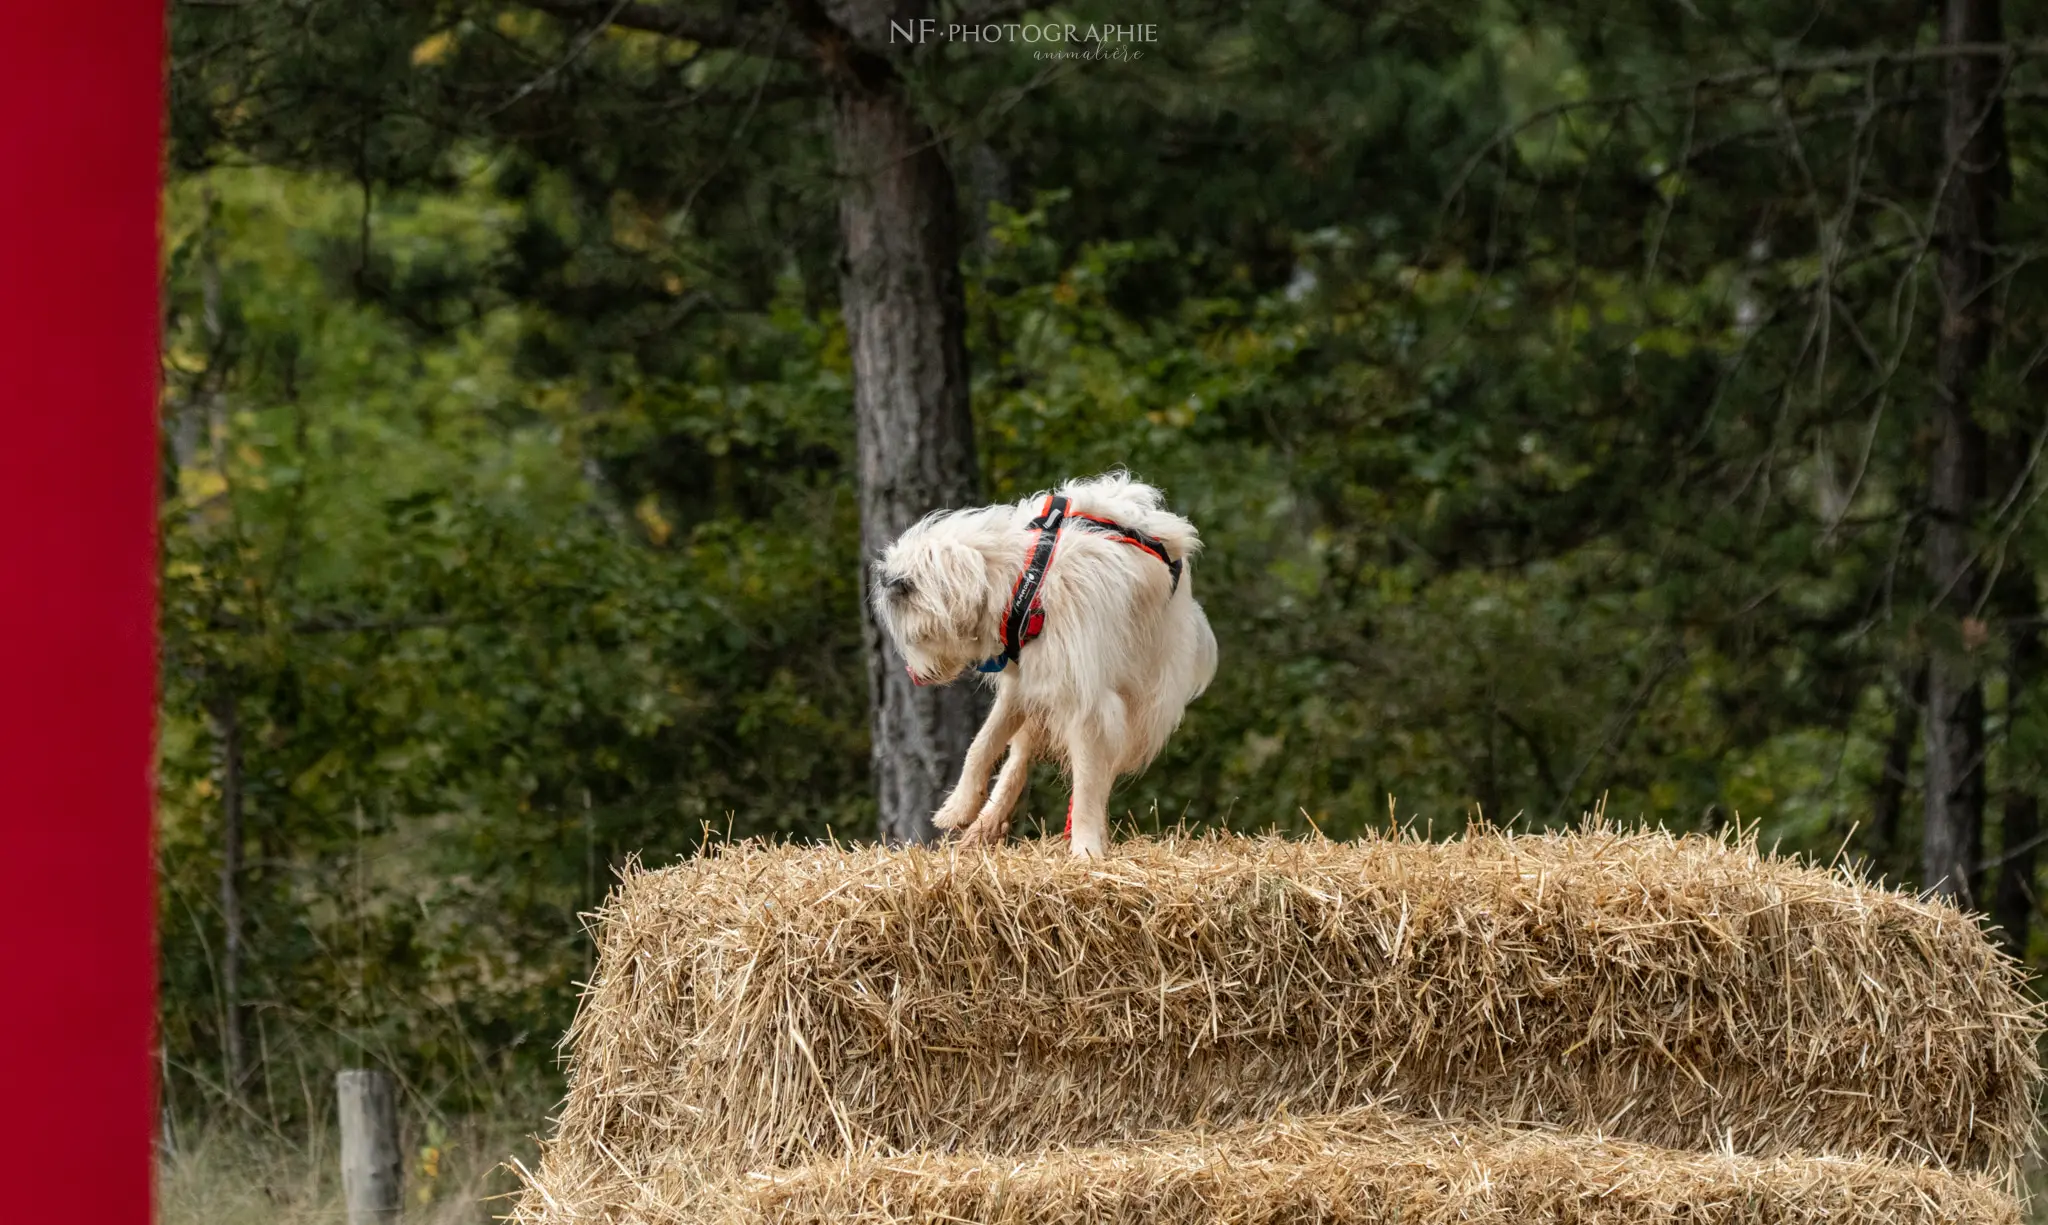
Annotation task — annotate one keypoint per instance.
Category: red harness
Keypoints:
(1026, 619)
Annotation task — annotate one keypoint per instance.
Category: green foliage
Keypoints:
(468, 681)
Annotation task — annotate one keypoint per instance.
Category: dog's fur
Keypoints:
(1121, 655)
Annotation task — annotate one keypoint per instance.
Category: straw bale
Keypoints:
(764, 1007)
(1360, 1168)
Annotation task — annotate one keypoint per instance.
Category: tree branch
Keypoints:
(764, 37)
(1535, 747)
(2008, 52)
(334, 624)
(847, 62)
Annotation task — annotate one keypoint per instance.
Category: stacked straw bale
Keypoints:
(1768, 1024)
(1364, 1167)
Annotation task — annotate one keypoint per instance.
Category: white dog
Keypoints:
(1079, 607)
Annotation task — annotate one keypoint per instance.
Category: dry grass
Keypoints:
(767, 1006)
(1362, 1168)
(227, 1175)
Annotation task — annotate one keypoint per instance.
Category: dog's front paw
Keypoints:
(987, 830)
(951, 816)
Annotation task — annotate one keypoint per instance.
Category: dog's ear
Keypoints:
(955, 580)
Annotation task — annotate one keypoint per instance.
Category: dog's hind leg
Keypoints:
(993, 825)
(1094, 760)
(965, 800)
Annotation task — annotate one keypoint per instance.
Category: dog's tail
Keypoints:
(1118, 495)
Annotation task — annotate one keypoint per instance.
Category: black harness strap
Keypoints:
(1026, 619)
(1132, 536)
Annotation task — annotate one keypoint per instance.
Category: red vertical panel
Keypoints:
(81, 87)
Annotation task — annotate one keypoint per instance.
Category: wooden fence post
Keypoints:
(371, 1168)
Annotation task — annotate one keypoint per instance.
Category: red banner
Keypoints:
(81, 96)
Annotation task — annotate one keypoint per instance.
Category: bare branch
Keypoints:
(750, 36)
(554, 70)
(2008, 52)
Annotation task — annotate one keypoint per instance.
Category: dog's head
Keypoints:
(932, 593)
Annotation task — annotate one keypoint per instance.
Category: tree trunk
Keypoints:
(988, 181)
(1973, 147)
(2012, 907)
(2012, 902)
(1890, 803)
(227, 731)
(906, 327)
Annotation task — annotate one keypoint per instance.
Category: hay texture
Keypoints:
(1362, 1168)
(928, 1016)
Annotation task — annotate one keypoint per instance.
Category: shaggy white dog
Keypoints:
(1079, 607)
